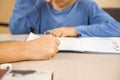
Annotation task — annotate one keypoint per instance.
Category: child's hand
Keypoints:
(64, 32)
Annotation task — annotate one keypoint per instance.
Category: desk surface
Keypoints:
(74, 66)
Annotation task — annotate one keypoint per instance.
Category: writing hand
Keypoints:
(43, 48)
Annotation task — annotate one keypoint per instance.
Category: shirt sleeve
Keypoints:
(101, 24)
(25, 15)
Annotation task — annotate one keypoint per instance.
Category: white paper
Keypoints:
(102, 45)
(32, 37)
(70, 44)
(67, 44)
(88, 44)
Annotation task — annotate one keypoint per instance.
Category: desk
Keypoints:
(74, 66)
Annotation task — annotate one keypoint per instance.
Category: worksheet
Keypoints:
(87, 44)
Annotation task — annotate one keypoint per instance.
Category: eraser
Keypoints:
(5, 66)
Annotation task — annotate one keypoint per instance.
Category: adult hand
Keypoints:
(43, 48)
(64, 32)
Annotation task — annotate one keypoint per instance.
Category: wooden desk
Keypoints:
(74, 66)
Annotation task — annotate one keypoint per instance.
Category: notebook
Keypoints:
(87, 44)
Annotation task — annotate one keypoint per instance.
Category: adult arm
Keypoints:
(39, 49)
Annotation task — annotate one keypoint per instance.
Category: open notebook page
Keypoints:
(66, 44)
(102, 45)
(89, 44)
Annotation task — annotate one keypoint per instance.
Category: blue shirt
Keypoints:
(86, 16)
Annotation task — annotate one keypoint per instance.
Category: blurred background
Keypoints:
(6, 7)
